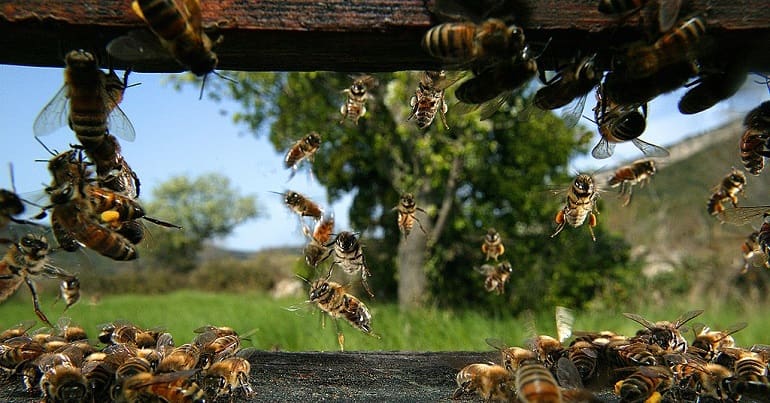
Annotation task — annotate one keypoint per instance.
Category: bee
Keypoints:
(69, 291)
(354, 107)
(64, 383)
(570, 87)
(87, 102)
(18, 330)
(302, 205)
(428, 101)
(302, 149)
(493, 246)
(216, 348)
(24, 261)
(622, 90)
(512, 357)
(406, 214)
(349, 255)
(550, 349)
(18, 350)
(645, 384)
(676, 45)
(714, 87)
(172, 387)
(753, 255)
(181, 358)
(627, 176)
(580, 204)
(468, 42)
(663, 333)
(10, 205)
(710, 342)
(227, 376)
(584, 356)
(497, 276)
(491, 382)
(618, 124)
(116, 208)
(179, 30)
(535, 383)
(753, 144)
(728, 189)
(112, 170)
(316, 250)
(122, 332)
(334, 299)
(667, 12)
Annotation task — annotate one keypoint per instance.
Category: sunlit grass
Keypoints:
(292, 325)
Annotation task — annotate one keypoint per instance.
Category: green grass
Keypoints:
(275, 326)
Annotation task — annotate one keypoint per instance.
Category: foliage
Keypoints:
(206, 207)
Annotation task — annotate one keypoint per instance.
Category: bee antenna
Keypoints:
(302, 278)
(203, 84)
(45, 146)
(13, 181)
(224, 77)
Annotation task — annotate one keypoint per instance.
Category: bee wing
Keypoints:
(735, 328)
(567, 374)
(650, 150)
(496, 343)
(54, 115)
(564, 321)
(668, 13)
(742, 215)
(686, 317)
(119, 125)
(450, 77)
(639, 319)
(574, 110)
(603, 150)
(487, 109)
(192, 10)
(485, 269)
(139, 45)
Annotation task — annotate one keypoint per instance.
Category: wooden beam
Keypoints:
(343, 35)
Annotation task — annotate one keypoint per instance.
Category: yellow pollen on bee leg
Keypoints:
(559, 217)
(110, 216)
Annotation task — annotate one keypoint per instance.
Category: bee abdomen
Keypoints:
(450, 41)
(164, 18)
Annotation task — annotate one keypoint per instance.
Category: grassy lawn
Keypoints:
(276, 326)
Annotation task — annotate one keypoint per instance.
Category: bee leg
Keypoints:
(343, 112)
(442, 113)
(36, 303)
(421, 227)
(340, 336)
(591, 225)
(734, 200)
(366, 286)
(559, 220)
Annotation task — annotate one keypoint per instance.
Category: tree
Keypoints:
(476, 175)
(206, 207)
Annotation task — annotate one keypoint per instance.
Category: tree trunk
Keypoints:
(411, 262)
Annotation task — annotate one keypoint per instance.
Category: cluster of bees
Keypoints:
(655, 364)
(134, 364)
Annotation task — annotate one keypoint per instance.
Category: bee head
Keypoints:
(319, 288)
(492, 235)
(347, 241)
(34, 245)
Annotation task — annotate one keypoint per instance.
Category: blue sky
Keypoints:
(177, 134)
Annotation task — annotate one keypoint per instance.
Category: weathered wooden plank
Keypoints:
(341, 35)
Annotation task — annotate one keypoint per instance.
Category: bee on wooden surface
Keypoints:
(493, 246)
(728, 189)
(753, 144)
(550, 349)
(512, 357)
(580, 203)
(177, 386)
(122, 332)
(24, 261)
(18, 350)
(68, 331)
(302, 205)
(181, 358)
(627, 176)
(570, 87)
(496, 276)
(667, 12)
(428, 101)
(535, 383)
(354, 107)
(471, 43)
(214, 349)
(407, 208)
(178, 35)
(663, 333)
(584, 356)
(302, 149)
(334, 299)
(64, 383)
(491, 382)
(225, 377)
(713, 87)
(677, 45)
(710, 342)
(17, 330)
(753, 255)
(349, 255)
(317, 249)
(645, 385)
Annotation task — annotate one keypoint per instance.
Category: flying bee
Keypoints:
(112, 170)
(178, 34)
(317, 249)
(627, 176)
(496, 276)
(667, 11)
(24, 261)
(493, 246)
(64, 383)
(428, 101)
(471, 43)
(406, 214)
(302, 205)
(753, 144)
(620, 89)
(714, 87)
(728, 189)
(87, 102)
(334, 299)
(580, 203)
(712, 341)
(349, 255)
(491, 382)
(663, 333)
(677, 45)
(645, 384)
(753, 255)
(354, 107)
(172, 387)
(743, 215)
(535, 383)
(570, 87)
(69, 291)
(302, 149)
(116, 208)
(225, 377)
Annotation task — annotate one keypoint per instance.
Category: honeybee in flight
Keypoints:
(349, 255)
(580, 203)
(24, 261)
(302, 149)
(668, 10)
(407, 209)
(753, 145)
(743, 215)
(317, 249)
(570, 87)
(302, 205)
(69, 291)
(428, 101)
(496, 276)
(178, 35)
(490, 381)
(753, 255)
(663, 333)
(334, 299)
(627, 176)
(728, 189)
(493, 246)
(354, 107)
